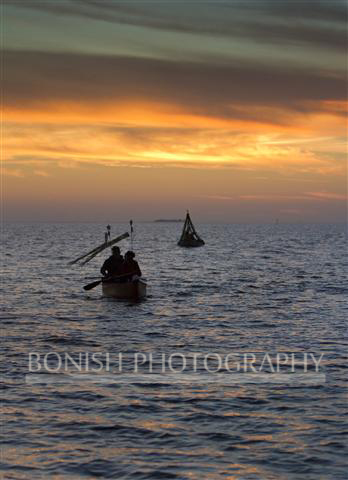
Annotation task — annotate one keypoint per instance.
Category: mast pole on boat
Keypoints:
(131, 234)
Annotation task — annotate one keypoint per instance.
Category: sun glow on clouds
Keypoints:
(170, 139)
(249, 120)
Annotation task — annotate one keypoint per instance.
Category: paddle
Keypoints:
(95, 284)
(92, 285)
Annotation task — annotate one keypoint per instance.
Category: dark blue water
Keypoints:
(277, 288)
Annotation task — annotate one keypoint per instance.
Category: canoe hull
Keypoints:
(123, 291)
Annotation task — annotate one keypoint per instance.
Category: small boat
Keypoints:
(135, 289)
(189, 236)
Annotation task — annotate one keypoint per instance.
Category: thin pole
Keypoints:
(131, 235)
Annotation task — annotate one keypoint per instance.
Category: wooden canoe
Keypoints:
(135, 289)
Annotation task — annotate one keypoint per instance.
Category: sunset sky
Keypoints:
(141, 109)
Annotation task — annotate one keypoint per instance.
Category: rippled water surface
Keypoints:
(277, 288)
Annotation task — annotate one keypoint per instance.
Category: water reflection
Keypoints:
(251, 289)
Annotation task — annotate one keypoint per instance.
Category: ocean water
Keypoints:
(251, 289)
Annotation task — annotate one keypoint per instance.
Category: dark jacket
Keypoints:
(131, 267)
(112, 266)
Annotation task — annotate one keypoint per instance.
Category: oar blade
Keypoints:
(92, 285)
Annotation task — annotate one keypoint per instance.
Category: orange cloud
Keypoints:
(71, 144)
(159, 114)
(327, 196)
(12, 172)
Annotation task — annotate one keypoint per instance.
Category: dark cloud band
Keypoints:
(314, 23)
(35, 78)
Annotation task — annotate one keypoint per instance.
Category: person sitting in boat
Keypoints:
(130, 267)
(113, 265)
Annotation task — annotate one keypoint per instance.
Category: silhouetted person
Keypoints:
(113, 265)
(130, 266)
